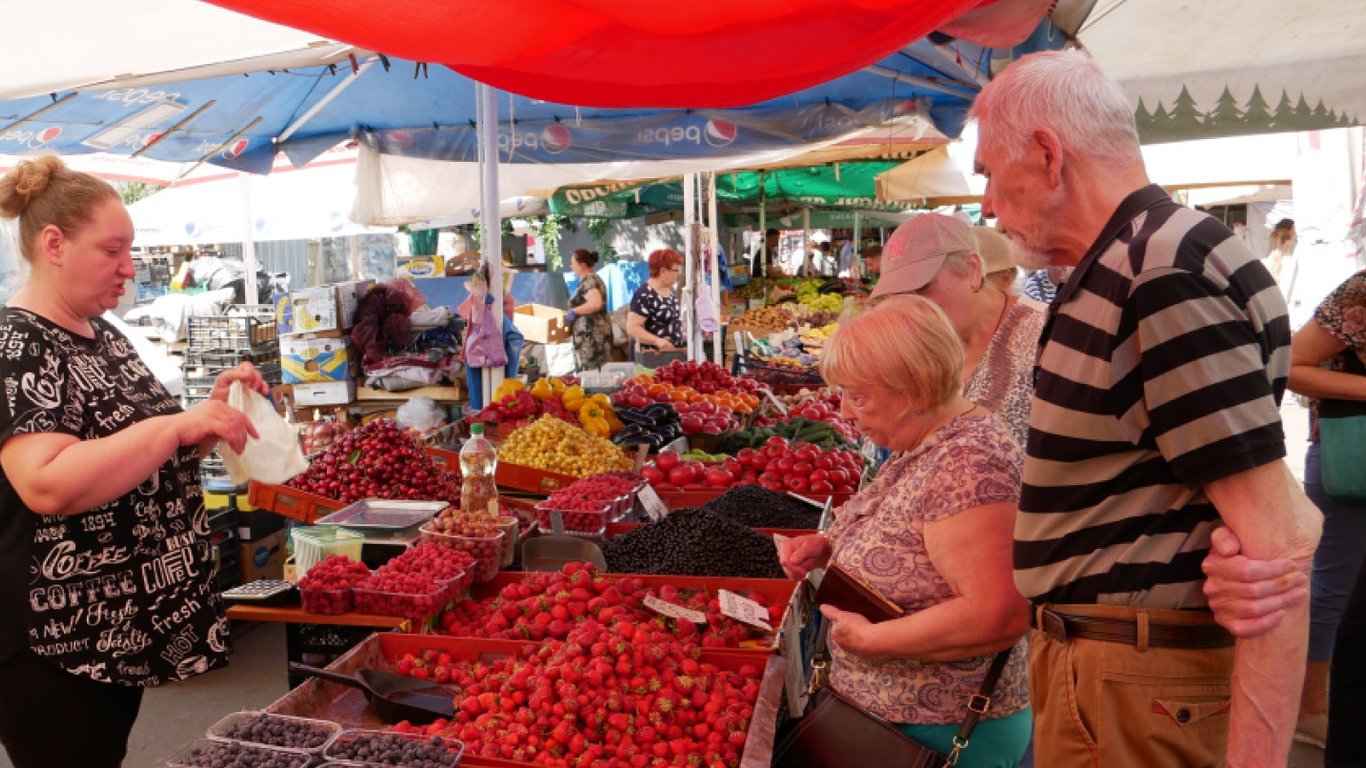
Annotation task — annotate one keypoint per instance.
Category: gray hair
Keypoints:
(1065, 91)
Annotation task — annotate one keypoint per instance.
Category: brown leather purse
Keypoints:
(847, 592)
(834, 731)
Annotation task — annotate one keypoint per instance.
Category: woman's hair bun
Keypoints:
(25, 182)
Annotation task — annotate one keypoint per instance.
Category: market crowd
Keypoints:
(1090, 488)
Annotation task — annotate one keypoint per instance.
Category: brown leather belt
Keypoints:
(1063, 626)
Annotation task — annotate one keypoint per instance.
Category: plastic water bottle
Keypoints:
(478, 462)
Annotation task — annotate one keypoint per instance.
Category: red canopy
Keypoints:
(620, 53)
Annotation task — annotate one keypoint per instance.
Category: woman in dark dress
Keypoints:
(654, 321)
(587, 316)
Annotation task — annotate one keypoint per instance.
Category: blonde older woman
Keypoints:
(940, 258)
(932, 533)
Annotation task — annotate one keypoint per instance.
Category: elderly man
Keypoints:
(1155, 419)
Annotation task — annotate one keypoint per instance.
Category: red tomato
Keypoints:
(745, 456)
(681, 476)
(652, 474)
(820, 486)
(784, 465)
(719, 478)
(819, 474)
(776, 441)
(667, 460)
(796, 483)
(802, 468)
(837, 476)
(824, 461)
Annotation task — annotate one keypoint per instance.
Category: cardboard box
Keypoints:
(419, 266)
(317, 393)
(264, 558)
(540, 323)
(309, 359)
(327, 310)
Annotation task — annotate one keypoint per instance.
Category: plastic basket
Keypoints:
(315, 544)
(320, 731)
(242, 333)
(336, 750)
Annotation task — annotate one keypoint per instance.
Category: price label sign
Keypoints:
(655, 508)
(673, 611)
(744, 610)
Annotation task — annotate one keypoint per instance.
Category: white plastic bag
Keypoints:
(272, 457)
(420, 413)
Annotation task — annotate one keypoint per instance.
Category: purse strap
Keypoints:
(978, 704)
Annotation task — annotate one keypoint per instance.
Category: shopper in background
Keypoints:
(939, 257)
(766, 257)
(106, 569)
(996, 251)
(1283, 241)
(587, 316)
(872, 262)
(1042, 284)
(1155, 418)
(654, 321)
(932, 533)
(1326, 363)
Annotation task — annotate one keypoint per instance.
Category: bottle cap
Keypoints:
(477, 428)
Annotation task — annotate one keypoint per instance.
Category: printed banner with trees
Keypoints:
(1184, 119)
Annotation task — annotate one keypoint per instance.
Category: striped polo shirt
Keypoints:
(1160, 369)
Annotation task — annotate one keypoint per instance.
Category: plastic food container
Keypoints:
(487, 551)
(207, 753)
(510, 529)
(341, 746)
(577, 521)
(319, 732)
(314, 544)
(327, 601)
(418, 606)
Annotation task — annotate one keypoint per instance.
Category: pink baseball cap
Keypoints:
(916, 251)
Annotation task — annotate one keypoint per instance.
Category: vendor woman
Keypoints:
(654, 321)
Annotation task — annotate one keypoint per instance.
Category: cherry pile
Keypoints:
(549, 605)
(377, 461)
(276, 731)
(228, 754)
(326, 588)
(417, 583)
(620, 695)
(380, 748)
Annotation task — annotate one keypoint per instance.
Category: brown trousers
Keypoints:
(1100, 704)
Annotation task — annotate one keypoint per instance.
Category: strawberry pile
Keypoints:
(326, 588)
(377, 461)
(588, 504)
(617, 695)
(550, 605)
(417, 583)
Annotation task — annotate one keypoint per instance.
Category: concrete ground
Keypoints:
(177, 714)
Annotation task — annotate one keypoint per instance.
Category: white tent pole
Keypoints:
(858, 246)
(323, 102)
(763, 257)
(248, 241)
(492, 242)
(806, 241)
(689, 259)
(718, 340)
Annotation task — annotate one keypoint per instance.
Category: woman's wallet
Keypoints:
(848, 592)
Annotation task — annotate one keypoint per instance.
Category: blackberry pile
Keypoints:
(694, 542)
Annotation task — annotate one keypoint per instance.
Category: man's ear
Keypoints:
(1049, 147)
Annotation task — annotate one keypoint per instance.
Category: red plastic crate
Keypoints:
(292, 503)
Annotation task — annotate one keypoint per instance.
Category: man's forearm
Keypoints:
(1272, 518)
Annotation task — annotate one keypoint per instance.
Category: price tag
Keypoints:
(768, 393)
(655, 508)
(745, 610)
(665, 608)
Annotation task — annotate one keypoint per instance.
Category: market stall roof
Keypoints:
(605, 53)
(1226, 67)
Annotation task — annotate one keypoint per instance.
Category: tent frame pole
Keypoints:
(492, 241)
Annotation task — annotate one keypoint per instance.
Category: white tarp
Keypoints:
(289, 204)
(66, 44)
(1200, 62)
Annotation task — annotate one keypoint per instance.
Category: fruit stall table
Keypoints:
(295, 618)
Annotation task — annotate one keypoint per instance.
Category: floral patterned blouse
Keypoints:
(1343, 314)
(661, 313)
(1003, 381)
(879, 535)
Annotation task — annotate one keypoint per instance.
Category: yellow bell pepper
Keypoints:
(541, 389)
(574, 398)
(508, 387)
(613, 421)
(557, 386)
(603, 400)
(590, 410)
(598, 427)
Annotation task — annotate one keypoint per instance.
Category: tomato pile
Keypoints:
(801, 467)
(670, 472)
(377, 461)
(690, 382)
(326, 588)
(617, 696)
(549, 605)
(417, 583)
